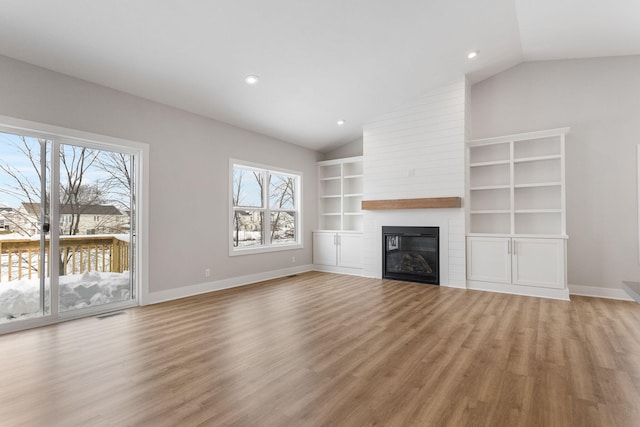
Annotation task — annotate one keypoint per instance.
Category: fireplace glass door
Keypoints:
(411, 254)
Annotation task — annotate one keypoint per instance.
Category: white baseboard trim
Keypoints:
(360, 273)
(202, 288)
(592, 291)
(187, 291)
(457, 285)
(528, 291)
(338, 270)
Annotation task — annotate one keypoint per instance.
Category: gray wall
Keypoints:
(600, 100)
(351, 149)
(189, 170)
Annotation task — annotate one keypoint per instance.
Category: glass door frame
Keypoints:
(44, 218)
(57, 136)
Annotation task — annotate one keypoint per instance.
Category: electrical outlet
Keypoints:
(207, 272)
(293, 260)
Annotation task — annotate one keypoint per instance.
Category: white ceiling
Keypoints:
(318, 61)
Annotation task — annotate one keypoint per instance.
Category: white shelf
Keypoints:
(537, 158)
(539, 184)
(491, 199)
(353, 176)
(331, 196)
(485, 212)
(331, 178)
(535, 211)
(528, 136)
(494, 163)
(331, 214)
(354, 213)
(494, 175)
(490, 187)
(352, 167)
(353, 195)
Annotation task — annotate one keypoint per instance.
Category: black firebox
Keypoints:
(411, 254)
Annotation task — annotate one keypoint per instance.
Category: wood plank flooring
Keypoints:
(324, 349)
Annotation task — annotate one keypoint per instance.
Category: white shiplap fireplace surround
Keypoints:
(418, 151)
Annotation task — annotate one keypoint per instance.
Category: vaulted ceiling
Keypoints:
(318, 61)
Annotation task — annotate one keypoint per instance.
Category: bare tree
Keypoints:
(243, 219)
(118, 183)
(24, 186)
(236, 196)
(74, 194)
(282, 193)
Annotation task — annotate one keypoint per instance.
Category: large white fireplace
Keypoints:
(418, 152)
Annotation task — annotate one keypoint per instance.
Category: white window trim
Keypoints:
(233, 251)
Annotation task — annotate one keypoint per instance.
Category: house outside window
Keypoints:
(265, 208)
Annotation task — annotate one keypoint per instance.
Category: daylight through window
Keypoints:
(265, 208)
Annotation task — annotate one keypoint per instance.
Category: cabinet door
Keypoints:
(489, 259)
(539, 262)
(324, 249)
(350, 250)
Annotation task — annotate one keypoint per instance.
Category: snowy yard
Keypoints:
(20, 298)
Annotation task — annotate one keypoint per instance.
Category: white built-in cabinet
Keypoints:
(338, 251)
(518, 260)
(516, 215)
(337, 243)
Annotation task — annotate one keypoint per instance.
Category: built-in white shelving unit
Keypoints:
(337, 244)
(516, 193)
(516, 184)
(340, 189)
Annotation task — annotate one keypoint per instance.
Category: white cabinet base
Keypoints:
(324, 249)
(517, 265)
(350, 253)
(530, 291)
(337, 252)
(539, 262)
(489, 259)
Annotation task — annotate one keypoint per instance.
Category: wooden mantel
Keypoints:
(427, 203)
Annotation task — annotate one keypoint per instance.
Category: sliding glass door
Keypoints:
(95, 227)
(66, 228)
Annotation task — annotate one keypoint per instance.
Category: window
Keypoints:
(265, 208)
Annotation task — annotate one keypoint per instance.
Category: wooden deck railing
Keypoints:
(19, 258)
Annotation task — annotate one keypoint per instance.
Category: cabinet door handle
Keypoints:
(515, 248)
(509, 247)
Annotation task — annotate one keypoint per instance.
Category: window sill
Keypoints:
(263, 249)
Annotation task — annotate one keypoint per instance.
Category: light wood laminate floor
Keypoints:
(324, 349)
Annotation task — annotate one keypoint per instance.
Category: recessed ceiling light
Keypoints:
(251, 80)
(472, 54)
(341, 122)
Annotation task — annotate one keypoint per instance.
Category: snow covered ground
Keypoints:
(20, 298)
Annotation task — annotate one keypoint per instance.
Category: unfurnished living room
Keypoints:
(319, 213)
